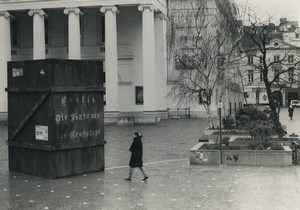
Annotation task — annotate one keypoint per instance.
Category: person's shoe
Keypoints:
(128, 179)
(145, 178)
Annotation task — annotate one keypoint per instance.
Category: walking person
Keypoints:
(291, 111)
(136, 159)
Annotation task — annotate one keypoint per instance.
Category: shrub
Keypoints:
(225, 141)
(276, 147)
(258, 145)
(253, 145)
(228, 122)
(250, 114)
(277, 127)
(216, 146)
(259, 125)
(260, 130)
(234, 147)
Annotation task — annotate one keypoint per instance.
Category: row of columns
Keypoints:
(111, 51)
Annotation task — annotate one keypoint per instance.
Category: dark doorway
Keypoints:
(277, 97)
(292, 96)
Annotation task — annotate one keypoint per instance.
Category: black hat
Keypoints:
(138, 134)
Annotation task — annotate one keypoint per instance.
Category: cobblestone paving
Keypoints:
(173, 182)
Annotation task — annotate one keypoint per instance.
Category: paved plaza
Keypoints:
(173, 183)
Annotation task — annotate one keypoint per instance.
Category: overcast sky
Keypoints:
(279, 8)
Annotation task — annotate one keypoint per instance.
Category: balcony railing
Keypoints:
(87, 52)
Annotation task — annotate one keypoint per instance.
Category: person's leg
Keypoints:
(130, 173)
(144, 173)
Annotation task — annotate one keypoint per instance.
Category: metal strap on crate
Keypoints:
(29, 115)
(55, 90)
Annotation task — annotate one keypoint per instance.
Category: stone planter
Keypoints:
(213, 134)
(200, 156)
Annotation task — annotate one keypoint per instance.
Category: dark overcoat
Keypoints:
(136, 149)
(291, 111)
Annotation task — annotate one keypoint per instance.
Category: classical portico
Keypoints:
(124, 34)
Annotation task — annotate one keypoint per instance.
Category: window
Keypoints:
(276, 58)
(185, 38)
(230, 111)
(81, 20)
(139, 95)
(204, 97)
(261, 77)
(14, 32)
(101, 29)
(276, 74)
(234, 107)
(297, 36)
(250, 76)
(291, 74)
(221, 62)
(260, 59)
(178, 65)
(250, 59)
(66, 31)
(291, 58)
(46, 22)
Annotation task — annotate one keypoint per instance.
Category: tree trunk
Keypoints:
(210, 118)
(272, 105)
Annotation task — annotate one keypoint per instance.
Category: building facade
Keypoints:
(201, 41)
(282, 55)
(128, 35)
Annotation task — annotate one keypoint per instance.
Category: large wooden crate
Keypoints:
(55, 117)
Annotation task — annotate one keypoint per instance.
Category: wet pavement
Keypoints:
(293, 126)
(173, 183)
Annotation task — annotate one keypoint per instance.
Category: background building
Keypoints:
(206, 26)
(283, 55)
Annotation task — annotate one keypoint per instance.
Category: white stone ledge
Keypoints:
(51, 4)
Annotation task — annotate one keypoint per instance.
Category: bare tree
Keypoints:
(206, 37)
(279, 72)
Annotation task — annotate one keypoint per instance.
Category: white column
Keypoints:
(38, 33)
(149, 65)
(161, 61)
(5, 56)
(111, 59)
(74, 32)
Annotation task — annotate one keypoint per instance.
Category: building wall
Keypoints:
(130, 70)
(256, 89)
(130, 60)
(177, 33)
